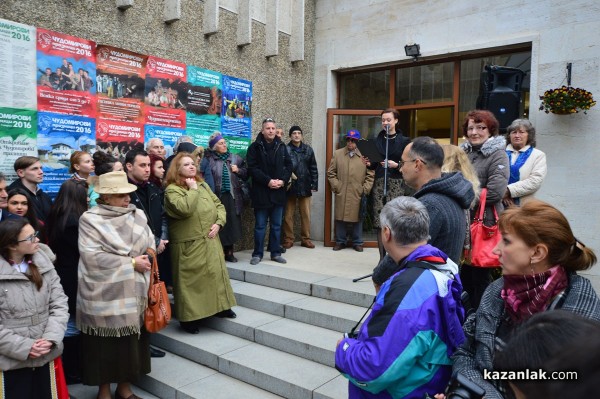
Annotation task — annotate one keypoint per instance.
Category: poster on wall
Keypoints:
(204, 101)
(17, 65)
(17, 94)
(121, 84)
(165, 96)
(60, 135)
(17, 138)
(66, 74)
(237, 113)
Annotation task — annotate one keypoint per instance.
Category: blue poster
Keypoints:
(204, 104)
(58, 137)
(237, 113)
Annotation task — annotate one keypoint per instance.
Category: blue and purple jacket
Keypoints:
(404, 346)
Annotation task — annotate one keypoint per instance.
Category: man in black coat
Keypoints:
(148, 198)
(305, 181)
(29, 170)
(270, 167)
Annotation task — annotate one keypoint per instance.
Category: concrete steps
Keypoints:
(281, 344)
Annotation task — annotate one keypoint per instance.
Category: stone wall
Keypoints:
(281, 89)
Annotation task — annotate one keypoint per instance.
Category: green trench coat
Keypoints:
(201, 281)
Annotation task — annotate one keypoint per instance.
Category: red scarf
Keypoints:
(526, 295)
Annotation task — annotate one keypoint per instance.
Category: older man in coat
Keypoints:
(350, 180)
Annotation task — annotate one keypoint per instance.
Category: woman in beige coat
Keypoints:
(33, 313)
(349, 179)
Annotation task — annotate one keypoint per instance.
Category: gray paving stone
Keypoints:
(320, 312)
(80, 391)
(243, 326)
(219, 386)
(285, 278)
(334, 389)
(342, 289)
(265, 299)
(300, 339)
(281, 373)
(204, 347)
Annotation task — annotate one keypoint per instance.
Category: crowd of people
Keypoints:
(83, 258)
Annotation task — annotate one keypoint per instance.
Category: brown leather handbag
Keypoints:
(158, 313)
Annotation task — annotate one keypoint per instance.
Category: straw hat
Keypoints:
(114, 183)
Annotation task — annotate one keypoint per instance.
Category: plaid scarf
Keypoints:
(111, 295)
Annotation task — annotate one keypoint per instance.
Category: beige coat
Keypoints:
(27, 314)
(532, 174)
(349, 179)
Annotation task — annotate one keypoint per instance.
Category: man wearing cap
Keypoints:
(270, 166)
(305, 181)
(404, 346)
(350, 180)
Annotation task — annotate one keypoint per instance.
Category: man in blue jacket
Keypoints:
(403, 349)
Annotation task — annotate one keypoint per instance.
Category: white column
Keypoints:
(172, 11)
(272, 28)
(124, 4)
(297, 38)
(211, 17)
(244, 28)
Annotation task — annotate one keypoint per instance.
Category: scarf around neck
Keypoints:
(225, 180)
(515, 175)
(526, 295)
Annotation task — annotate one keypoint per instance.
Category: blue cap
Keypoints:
(353, 134)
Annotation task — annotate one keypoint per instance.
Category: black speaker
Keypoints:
(500, 93)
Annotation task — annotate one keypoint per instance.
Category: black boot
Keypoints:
(70, 359)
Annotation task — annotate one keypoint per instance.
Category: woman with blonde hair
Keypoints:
(456, 160)
(201, 282)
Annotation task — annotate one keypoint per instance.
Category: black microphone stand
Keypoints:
(385, 179)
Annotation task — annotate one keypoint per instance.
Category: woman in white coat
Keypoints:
(33, 314)
(527, 164)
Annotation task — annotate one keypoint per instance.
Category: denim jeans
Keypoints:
(341, 233)
(274, 215)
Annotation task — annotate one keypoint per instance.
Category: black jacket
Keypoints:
(149, 198)
(41, 201)
(265, 165)
(395, 149)
(65, 245)
(304, 166)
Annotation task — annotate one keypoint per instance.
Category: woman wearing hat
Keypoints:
(112, 290)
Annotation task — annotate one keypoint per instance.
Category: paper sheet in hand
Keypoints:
(368, 149)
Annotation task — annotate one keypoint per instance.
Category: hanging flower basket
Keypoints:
(566, 100)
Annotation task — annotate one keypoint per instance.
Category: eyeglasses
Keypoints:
(31, 238)
(401, 163)
(479, 128)
(268, 120)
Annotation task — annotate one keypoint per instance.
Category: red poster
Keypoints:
(66, 75)
(120, 84)
(165, 96)
(117, 138)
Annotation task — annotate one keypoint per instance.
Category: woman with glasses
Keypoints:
(63, 235)
(527, 163)
(485, 149)
(33, 314)
(391, 137)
